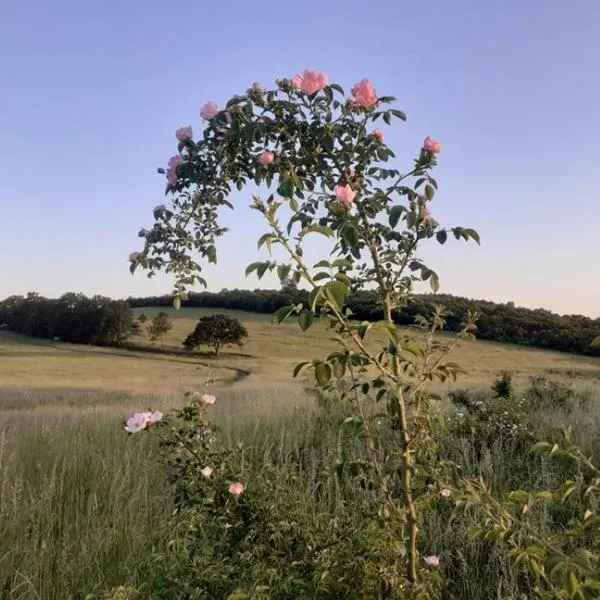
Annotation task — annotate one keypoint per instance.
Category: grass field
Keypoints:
(266, 359)
(83, 506)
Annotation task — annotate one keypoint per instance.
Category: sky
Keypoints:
(92, 92)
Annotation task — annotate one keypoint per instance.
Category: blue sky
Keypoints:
(92, 92)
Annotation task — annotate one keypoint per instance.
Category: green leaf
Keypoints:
(211, 254)
(395, 214)
(337, 88)
(429, 192)
(322, 373)
(322, 264)
(299, 368)
(596, 342)
(339, 368)
(441, 236)
(314, 297)
(265, 239)
(286, 188)
(399, 114)
(177, 303)
(321, 276)
(387, 118)
(336, 292)
(326, 231)
(350, 235)
(305, 319)
(282, 313)
(434, 282)
(294, 204)
(262, 269)
(283, 271)
(252, 267)
(362, 329)
(473, 235)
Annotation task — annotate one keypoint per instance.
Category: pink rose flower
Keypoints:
(138, 422)
(432, 145)
(174, 162)
(364, 94)
(208, 399)
(266, 159)
(184, 133)
(135, 256)
(445, 493)
(209, 111)
(206, 472)
(310, 82)
(379, 135)
(155, 417)
(345, 194)
(432, 561)
(236, 489)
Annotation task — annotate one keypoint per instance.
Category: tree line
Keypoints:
(498, 322)
(99, 320)
(71, 318)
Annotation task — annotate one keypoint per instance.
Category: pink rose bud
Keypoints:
(432, 145)
(209, 111)
(379, 135)
(206, 472)
(445, 493)
(184, 133)
(135, 256)
(345, 194)
(364, 94)
(432, 561)
(208, 399)
(236, 489)
(266, 159)
(159, 210)
(310, 82)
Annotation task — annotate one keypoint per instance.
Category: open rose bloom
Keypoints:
(266, 158)
(140, 421)
(184, 133)
(310, 82)
(236, 489)
(432, 145)
(364, 94)
(209, 111)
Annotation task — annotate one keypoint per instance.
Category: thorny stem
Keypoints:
(338, 315)
(410, 512)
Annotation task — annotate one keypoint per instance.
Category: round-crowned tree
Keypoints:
(216, 331)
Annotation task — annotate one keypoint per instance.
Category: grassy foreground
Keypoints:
(83, 507)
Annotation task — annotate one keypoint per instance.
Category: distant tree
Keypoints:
(142, 318)
(289, 290)
(502, 386)
(118, 323)
(159, 326)
(216, 331)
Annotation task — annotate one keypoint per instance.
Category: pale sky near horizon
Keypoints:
(92, 92)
